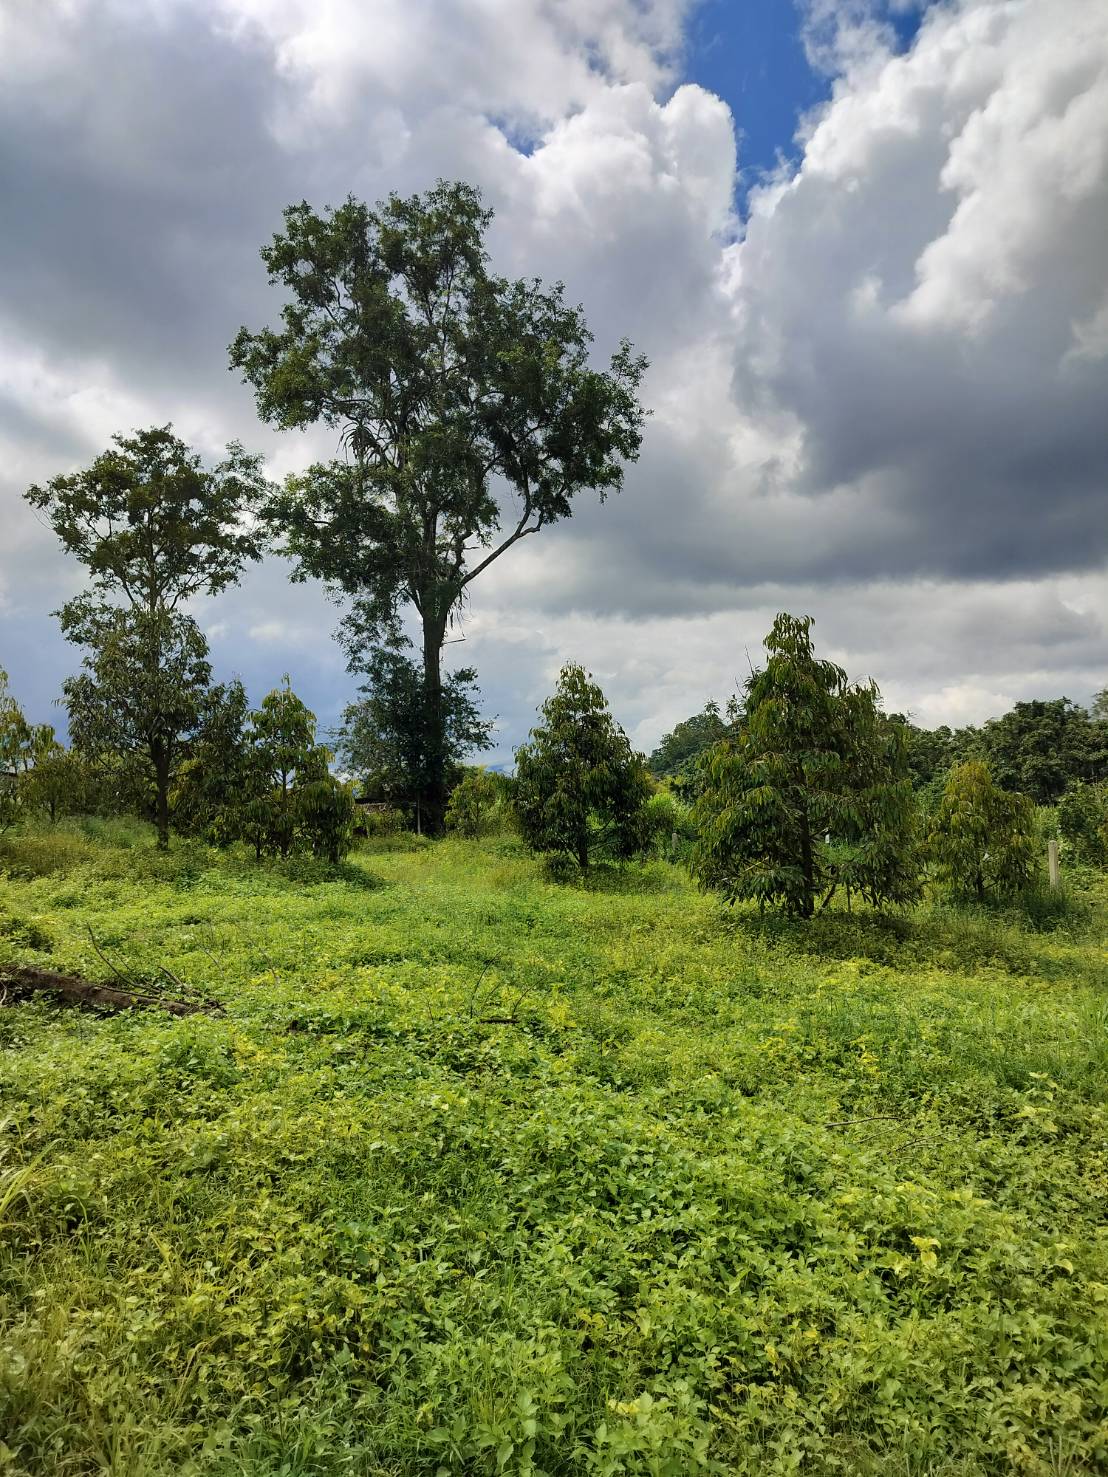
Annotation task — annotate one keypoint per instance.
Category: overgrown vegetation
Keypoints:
(481, 1174)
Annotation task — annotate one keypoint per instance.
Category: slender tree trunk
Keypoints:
(434, 786)
(160, 756)
(583, 850)
(808, 867)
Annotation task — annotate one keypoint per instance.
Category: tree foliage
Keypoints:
(15, 740)
(811, 792)
(1083, 823)
(65, 782)
(141, 692)
(688, 740)
(1039, 748)
(388, 740)
(472, 803)
(580, 789)
(212, 780)
(261, 777)
(446, 383)
(290, 800)
(153, 527)
(981, 839)
(151, 524)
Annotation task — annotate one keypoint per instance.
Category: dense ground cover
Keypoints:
(481, 1174)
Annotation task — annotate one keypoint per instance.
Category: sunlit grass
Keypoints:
(482, 1174)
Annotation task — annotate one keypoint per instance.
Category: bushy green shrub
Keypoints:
(473, 804)
(1082, 816)
(580, 790)
(982, 838)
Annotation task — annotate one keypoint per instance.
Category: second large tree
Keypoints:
(469, 415)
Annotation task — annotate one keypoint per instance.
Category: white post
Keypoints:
(1052, 862)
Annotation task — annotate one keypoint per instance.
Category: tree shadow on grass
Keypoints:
(961, 940)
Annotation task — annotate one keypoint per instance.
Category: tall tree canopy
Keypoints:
(469, 414)
(810, 792)
(689, 740)
(1039, 748)
(151, 524)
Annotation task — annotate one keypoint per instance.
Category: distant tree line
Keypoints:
(1040, 748)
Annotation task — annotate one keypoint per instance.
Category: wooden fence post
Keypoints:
(1052, 863)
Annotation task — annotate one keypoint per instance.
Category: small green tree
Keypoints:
(15, 742)
(1083, 823)
(52, 781)
(142, 691)
(981, 839)
(213, 779)
(472, 802)
(281, 754)
(325, 813)
(286, 798)
(580, 789)
(811, 791)
(62, 782)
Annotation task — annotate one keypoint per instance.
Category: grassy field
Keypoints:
(481, 1174)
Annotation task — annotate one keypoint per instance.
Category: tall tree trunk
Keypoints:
(583, 850)
(433, 797)
(160, 757)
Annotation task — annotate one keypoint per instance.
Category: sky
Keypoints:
(863, 245)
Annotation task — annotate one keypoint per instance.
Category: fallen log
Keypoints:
(21, 982)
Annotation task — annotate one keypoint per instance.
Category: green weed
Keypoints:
(485, 1175)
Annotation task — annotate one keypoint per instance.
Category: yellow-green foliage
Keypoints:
(482, 1175)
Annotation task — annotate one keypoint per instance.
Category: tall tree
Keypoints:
(580, 789)
(469, 415)
(154, 528)
(810, 792)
